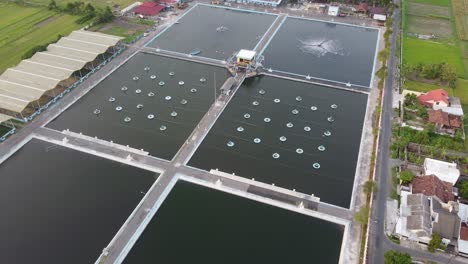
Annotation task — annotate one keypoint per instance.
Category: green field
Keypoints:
(424, 51)
(433, 2)
(98, 3)
(22, 28)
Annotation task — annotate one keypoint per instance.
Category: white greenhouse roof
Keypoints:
(33, 77)
(246, 54)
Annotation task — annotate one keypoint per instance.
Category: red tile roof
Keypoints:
(362, 7)
(455, 121)
(438, 95)
(464, 231)
(442, 118)
(439, 117)
(433, 186)
(149, 9)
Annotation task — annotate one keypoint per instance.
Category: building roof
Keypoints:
(246, 54)
(432, 186)
(149, 9)
(446, 223)
(463, 239)
(442, 118)
(452, 110)
(362, 7)
(4, 118)
(415, 216)
(378, 10)
(445, 171)
(33, 77)
(438, 95)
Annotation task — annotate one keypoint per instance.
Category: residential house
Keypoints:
(378, 13)
(454, 107)
(445, 171)
(421, 216)
(435, 97)
(148, 9)
(362, 8)
(463, 238)
(443, 121)
(333, 10)
(430, 185)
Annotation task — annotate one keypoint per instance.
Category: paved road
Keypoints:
(378, 241)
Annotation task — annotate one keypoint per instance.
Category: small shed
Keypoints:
(333, 10)
(245, 57)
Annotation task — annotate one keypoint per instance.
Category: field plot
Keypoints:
(151, 102)
(324, 50)
(22, 28)
(215, 31)
(63, 206)
(216, 227)
(292, 134)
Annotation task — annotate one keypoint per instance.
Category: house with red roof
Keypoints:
(149, 9)
(444, 120)
(431, 185)
(437, 97)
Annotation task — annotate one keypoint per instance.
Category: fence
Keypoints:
(9, 132)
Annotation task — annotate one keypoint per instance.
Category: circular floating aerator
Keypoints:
(275, 155)
(267, 120)
(147, 68)
(321, 148)
(138, 91)
(247, 116)
(162, 127)
(230, 144)
(152, 77)
(282, 138)
(261, 91)
(124, 88)
(193, 90)
(161, 83)
(139, 106)
(257, 140)
(136, 78)
(150, 116)
(255, 103)
(168, 98)
(118, 108)
(334, 106)
(299, 151)
(150, 94)
(276, 100)
(327, 133)
(183, 102)
(313, 108)
(316, 165)
(127, 119)
(171, 73)
(174, 114)
(298, 98)
(240, 129)
(97, 111)
(181, 83)
(111, 99)
(295, 111)
(307, 128)
(289, 125)
(330, 119)
(202, 80)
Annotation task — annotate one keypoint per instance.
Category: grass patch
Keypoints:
(423, 51)
(142, 21)
(433, 2)
(461, 19)
(98, 3)
(19, 35)
(423, 87)
(128, 34)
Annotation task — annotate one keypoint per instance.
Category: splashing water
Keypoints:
(222, 29)
(320, 47)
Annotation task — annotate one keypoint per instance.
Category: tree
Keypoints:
(464, 189)
(104, 15)
(362, 215)
(396, 257)
(370, 186)
(406, 176)
(52, 5)
(435, 243)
